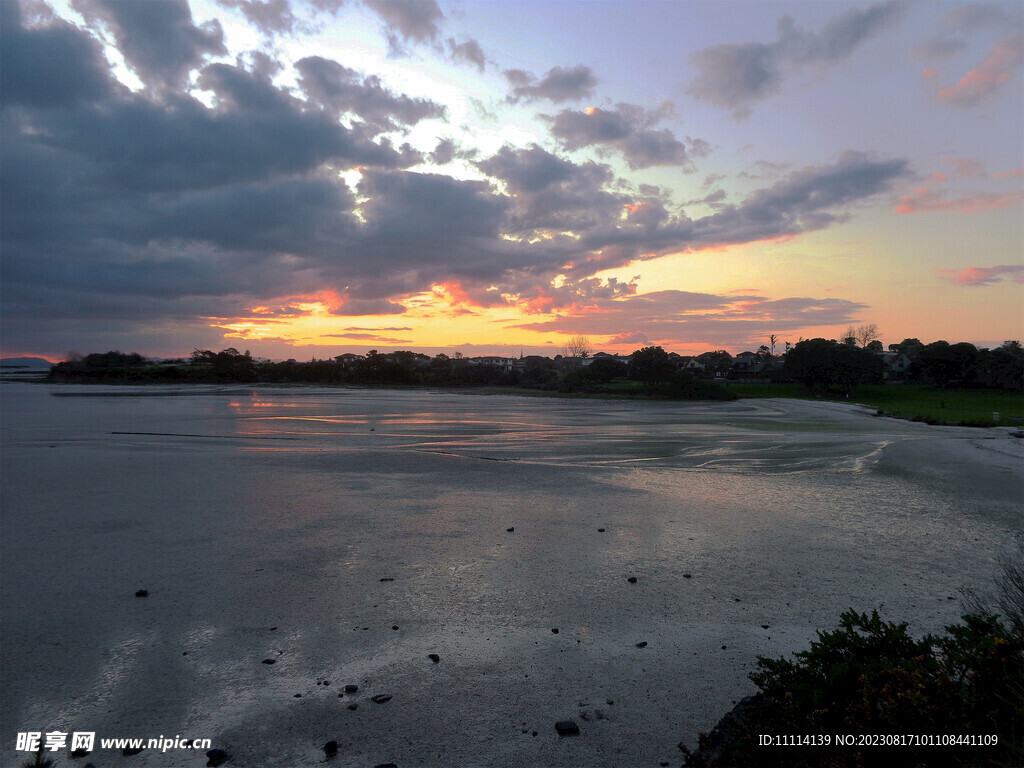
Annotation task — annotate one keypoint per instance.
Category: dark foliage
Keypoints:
(870, 677)
(820, 364)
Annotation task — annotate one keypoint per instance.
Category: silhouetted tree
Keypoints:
(650, 364)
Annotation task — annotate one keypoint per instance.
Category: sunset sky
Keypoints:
(314, 177)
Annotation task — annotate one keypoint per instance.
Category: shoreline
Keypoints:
(388, 509)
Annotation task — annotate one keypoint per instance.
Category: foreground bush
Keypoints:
(870, 677)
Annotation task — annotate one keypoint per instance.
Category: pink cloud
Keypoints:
(965, 166)
(974, 276)
(984, 80)
(633, 337)
(924, 200)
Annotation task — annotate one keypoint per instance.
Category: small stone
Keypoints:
(394, 626)
(270, 661)
(297, 696)
(387, 578)
(642, 644)
(764, 626)
(687, 576)
(510, 530)
(272, 629)
(567, 728)
(129, 751)
(331, 748)
(353, 706)
(663, 763)
(609, 702)
(735, 599)
(434, 658)
(631, 579)
(385, 765)
(380, 698)
(327, 682)
(554, 630)
(724, 647)
(351, 688)
(79, 752)
(142, 593)
(216, 757)
(600, 530)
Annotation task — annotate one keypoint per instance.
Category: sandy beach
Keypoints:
(345, 535)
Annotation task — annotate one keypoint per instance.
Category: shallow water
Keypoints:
(246, 509)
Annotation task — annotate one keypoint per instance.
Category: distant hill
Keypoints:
(24, 362)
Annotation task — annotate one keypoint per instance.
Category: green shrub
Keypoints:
(869, 677)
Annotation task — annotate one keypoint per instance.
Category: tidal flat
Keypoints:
(347, 535)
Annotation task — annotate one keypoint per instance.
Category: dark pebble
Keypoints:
(327, 682)
(385, 765)
(554, 630)
(331, 748)
(353, 706)
(79, 753)
(129, 751)
(764, 626)
(723, 647)
(642, 644)
(394, 626)
(216, 757)
(380, 698)
(567, 728)
(600, 530)
(631, 579)
(273, 628)
(270, 661)
(663, 763)
(297, 696)
(510, 530)
(387, 578)
(142, 593)
(351, 688)
(687, 576)
(434, 657)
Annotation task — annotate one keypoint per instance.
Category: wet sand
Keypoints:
(263, 523)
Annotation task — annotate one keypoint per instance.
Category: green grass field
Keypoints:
(970, 407)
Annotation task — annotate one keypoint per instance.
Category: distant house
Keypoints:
(896, 365)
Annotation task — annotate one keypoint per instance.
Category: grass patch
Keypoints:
(966, 407)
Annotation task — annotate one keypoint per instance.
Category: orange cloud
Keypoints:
(982, 81)
(924, 200)
(974, 276)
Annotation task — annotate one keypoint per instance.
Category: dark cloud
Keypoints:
(551, 193)
(447, 150)
(155, 211)
(53, 66)
(734, 76)
(269, 16)
(341, 90)
(558, 85)
(627, 128)
(157, 38)
(469, 51)
(411, 20)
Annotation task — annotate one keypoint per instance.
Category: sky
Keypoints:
(305, 178)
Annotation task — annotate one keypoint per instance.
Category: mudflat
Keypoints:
(349, 535)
